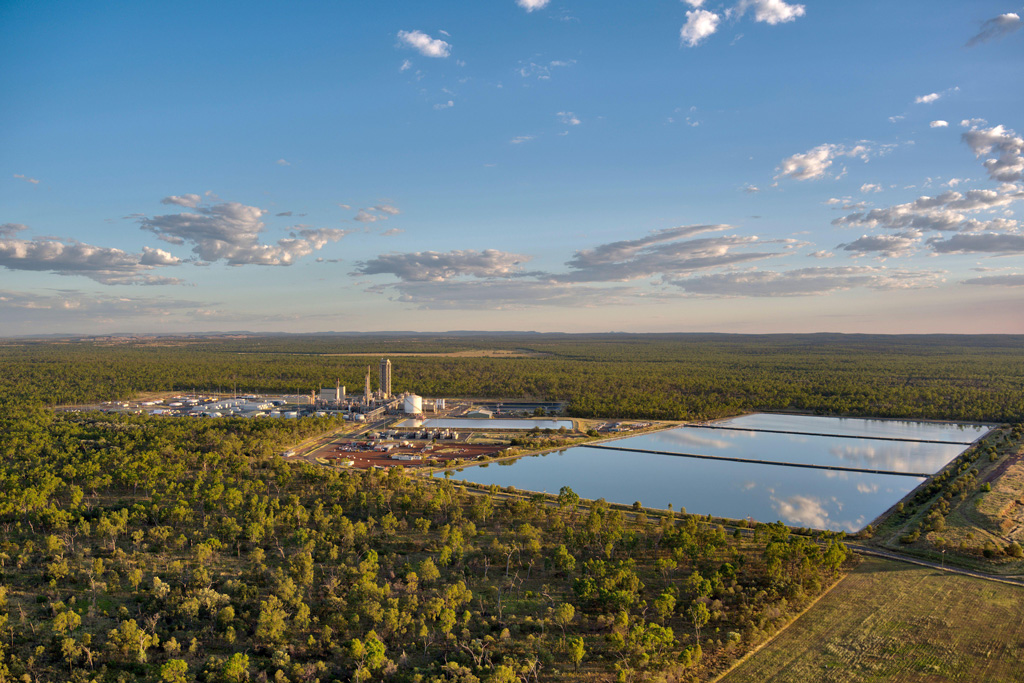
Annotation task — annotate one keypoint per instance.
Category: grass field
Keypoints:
(889, 621)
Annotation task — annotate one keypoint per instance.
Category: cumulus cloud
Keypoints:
(770, 11)
(22, 176)
(870, 187)
(816, 162)
(189, 201)
(939, 124)
(996, 28)
(231, 232)
(927, 99)
(106, 265)
(532, 5)
(699, 25)
(433, 266)
(804, 281)
(283, 162)
(672, 251)
(445, 105)
(1004, 147)
(896, 245)
(949, 211)
(372, 214)
(427, 46)
(520, 139)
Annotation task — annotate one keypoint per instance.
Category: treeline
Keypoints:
(612, 376)
(147, 549)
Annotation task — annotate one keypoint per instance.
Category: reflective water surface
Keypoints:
(800, 497)
(483, 423)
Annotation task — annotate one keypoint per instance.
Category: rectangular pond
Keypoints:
(799, 496)
(495, 424)
(848, 426)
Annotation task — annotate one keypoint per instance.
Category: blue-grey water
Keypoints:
(890, 456)
(903, 429)
(483, 423)
(800, 497)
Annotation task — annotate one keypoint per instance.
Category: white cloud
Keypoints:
(870, 187)
(427, 46)
(949, 211)
(532, 5)
(899, 244)
(445, 105)
(1000, 26)
(694, 3)
(433, 266)
(231, 232)
(105, 265)
(672, 251)
(189, 201)
(283, 162)
(804, 281)
(542, 72)
(751, 189)
(520, 139)
(815, 163)
(1009, 165)
(927, 99)
(939, 124)
(21, 176)
(770, 11)
(372, 214)
(568, 118)
(699, 25)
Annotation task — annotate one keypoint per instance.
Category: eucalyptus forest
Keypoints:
(150, 548)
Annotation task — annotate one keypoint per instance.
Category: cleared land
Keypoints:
(889, 621)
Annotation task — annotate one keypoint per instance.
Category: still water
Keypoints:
(902, 429)
(800, 497)
(891, 456)
(483, 423)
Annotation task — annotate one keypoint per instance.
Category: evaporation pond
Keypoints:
(848, 426)
(496, 424)
(820, 498)
(860, 453)
(840, 501)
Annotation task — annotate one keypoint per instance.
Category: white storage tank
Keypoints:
(413, 404)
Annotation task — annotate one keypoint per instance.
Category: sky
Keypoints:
(550, 165)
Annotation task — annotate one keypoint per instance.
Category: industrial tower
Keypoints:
(367, 397)
(385, 378)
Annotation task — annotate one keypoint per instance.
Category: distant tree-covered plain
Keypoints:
(613, 376)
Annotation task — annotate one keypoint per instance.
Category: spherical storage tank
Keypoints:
(413, 404)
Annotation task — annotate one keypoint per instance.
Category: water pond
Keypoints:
(816, 498)
(496, 424)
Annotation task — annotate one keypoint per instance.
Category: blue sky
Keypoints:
(559, 165)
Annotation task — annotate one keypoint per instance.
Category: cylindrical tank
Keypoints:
(413, 404)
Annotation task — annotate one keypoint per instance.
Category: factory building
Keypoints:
(385, 378)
